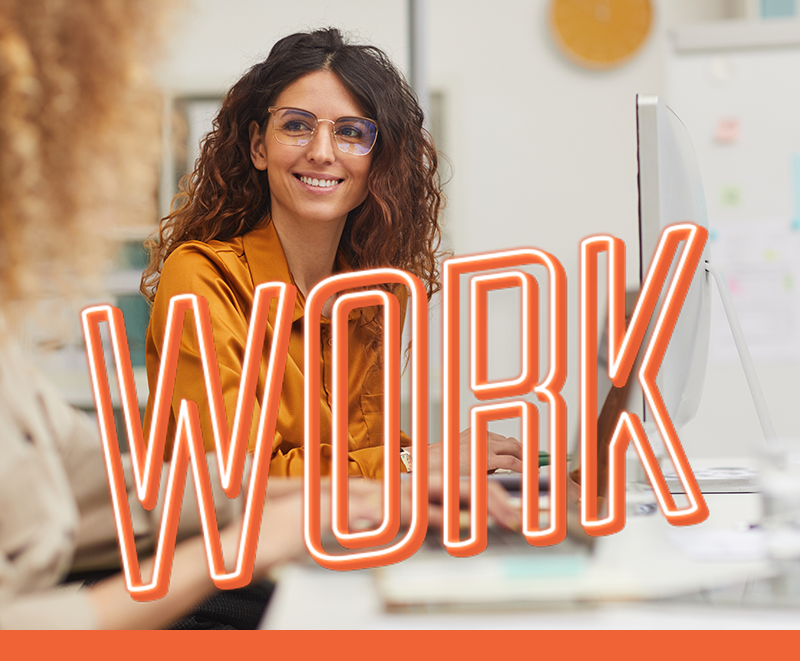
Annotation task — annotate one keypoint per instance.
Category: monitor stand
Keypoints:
(744, 354)
(721, 478)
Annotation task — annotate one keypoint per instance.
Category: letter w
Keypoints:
(231, 448)
(623, 348)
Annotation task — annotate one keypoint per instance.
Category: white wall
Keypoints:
(214, 41)
(753, 90)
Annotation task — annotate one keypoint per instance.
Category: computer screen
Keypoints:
(671, 191)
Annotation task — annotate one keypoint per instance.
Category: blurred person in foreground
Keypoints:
(78, 140)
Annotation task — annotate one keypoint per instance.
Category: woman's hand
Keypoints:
(282, 538)
(504, 452)
(366, 503)
(502, 509)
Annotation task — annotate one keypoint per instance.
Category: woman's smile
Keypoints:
(319, 183)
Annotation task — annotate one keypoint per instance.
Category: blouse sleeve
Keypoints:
(197, 269)
(58, 608)
(38, 513)
(366, 462)
(55, 502)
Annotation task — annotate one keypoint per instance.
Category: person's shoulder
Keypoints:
(213, 251)
(224, 255)
(193, 262)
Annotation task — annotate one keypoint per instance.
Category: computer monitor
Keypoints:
(671, 191)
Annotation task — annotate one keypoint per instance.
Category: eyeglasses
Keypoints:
(352, 135)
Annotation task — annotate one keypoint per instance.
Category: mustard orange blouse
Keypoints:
(226, 274)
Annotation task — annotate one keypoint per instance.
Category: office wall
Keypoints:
(214, 41)
(742, 114)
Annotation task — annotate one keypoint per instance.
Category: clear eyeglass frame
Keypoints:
(357, 146)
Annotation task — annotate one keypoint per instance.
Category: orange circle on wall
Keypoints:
(600, 34)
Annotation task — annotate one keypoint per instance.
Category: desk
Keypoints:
(309, 597)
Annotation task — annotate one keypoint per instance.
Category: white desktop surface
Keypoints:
(309, 597)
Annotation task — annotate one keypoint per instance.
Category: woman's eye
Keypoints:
(350, 132)
(295, 126)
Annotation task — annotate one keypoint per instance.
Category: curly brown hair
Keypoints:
(398, 225)
(79, 136)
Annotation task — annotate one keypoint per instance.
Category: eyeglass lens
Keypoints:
(353, 135)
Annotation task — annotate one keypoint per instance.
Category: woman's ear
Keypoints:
(258, 147)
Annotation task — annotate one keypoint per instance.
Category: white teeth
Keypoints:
(319, 183)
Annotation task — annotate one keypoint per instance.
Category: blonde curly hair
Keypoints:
(79, 136)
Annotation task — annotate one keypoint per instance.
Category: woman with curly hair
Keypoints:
(318, 163)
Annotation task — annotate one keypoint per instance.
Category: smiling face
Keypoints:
(313, 183)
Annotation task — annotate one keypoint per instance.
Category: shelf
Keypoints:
(736, 35)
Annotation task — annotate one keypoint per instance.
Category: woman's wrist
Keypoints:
(407, 459)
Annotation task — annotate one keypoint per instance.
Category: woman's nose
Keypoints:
(322, 148)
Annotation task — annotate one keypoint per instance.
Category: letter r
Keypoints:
(548, 391)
